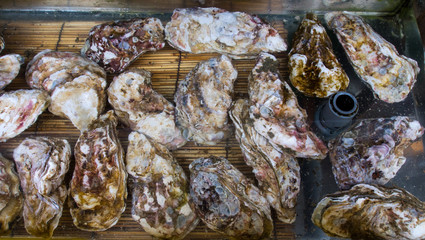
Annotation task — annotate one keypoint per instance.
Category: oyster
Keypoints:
(277, 172)
(11, 199)
(371, 212)
(115, 45)
(144, 110)
(276, 114)
(76, 84)
(20, 109)
(98, 187)
(9, 68)
(390, 75)
(227, 201)
(1, 44)
(203, 99)
(371, 151)
(313, 67)
(161, 200)
(237, 34)
(42, 163)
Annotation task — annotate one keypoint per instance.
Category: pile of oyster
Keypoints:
(270, 126)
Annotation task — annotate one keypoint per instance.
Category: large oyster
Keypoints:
(390, 75)
(9, 68)
(237, 34)
(98, 187)
(161, 200)
(371, 151)
(42, 163)
(115, 45)
(203, 99)
(143, 109)
(76, 85)
(11, 199)
(227, 201)
(313, 67)
(20, 109)
(371, 212)
(276, 114)
(277, 172)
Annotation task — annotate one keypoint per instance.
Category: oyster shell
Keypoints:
(203, 99)
(20, 109)
(98, 187)
(11, 200)
(277, 172)
(237, 34)
(161, 200)
(371, 212)
(276, 114)
(390, 75)
(227, 201)
(371, 151)
(313, 67)
(1, 44)
(9, 68)
(115, 45)
(76, 85)
(144, 110)
(42, 163)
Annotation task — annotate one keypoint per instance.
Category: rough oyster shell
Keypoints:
(371, 151)
(390, 75)
(20, 109)
(371, 212)
(76, 84)
(115, 45)
(227, 201)
(42, 163)
(203, 99)
(11, 200)
(276, 114)
(313, 67)
(237, 34)
(1, 44)
(277, 172)
(161, 200)
(98, 187)
(9, 68)
(144, 110)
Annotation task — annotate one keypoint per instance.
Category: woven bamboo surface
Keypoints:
(167, 66)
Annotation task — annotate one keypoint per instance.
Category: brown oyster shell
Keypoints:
(19, 110)
(9, 68)
(371, 151)
(236, 34)
(227, 201)
(161, 201)
(203, 99)
(42, 163)
(313, 67)
(115, 45)
(389, 74)
(371, 212)
(76, 85)
(277, 172)
(276, 114)
(98, 187)
(143, 109)
(11, 200)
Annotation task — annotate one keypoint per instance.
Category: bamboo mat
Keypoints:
(167, 67)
